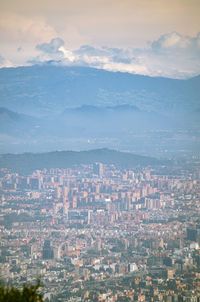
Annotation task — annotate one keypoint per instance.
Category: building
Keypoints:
(47, 252)
(98, 169)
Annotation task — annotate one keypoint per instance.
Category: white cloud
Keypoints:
(131, 68)
(52, 47)
(174, 55)
(68, 54)
(177, 41)
(171, 55)
(171, 40)
(112, 59)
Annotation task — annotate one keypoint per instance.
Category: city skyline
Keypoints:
(108, 234)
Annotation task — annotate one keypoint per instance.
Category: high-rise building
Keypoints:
(98, 169)
(191, 234)
(47, 252)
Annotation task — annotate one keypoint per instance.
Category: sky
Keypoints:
(150, 37)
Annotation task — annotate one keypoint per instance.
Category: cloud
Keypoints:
(52, 47)
(171, 55)
(172, 40)
(92, 51)
(68, 54)
(112, 59)
(19, 35)
(176, 41)
(15, 27)
(115, 23)
(123, 67)
(55, 50)
(4, 62)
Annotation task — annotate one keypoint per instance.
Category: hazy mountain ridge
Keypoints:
(48, 107)
(36, 89)
(85, 120)
(13, 123)
(29, 162)
(102, 110)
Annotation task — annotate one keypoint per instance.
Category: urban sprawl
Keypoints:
(102, 233)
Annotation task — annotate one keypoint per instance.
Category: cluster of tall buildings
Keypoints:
(136, 230)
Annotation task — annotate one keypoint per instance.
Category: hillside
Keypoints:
(48, 107)
(29, 162)
(44, 89)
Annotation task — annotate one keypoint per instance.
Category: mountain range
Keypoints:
(48, 107)
(44, 89)
(29, 162)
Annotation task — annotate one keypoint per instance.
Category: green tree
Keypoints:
(29, 293)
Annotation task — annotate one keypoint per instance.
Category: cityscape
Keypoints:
(99, 151)
(100, 232)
